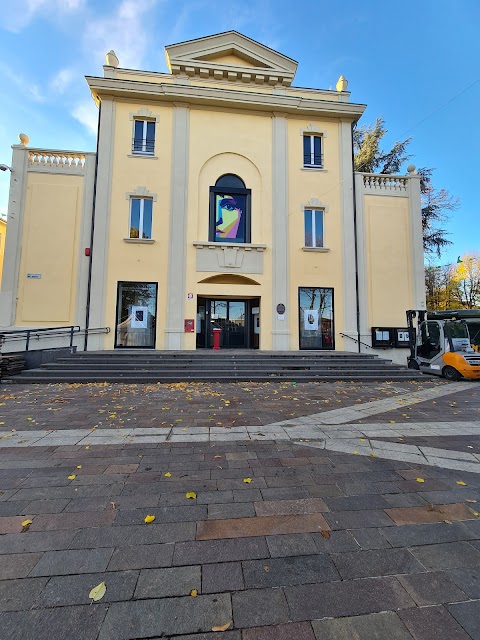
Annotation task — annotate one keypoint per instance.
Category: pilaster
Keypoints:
(177, 251)
(416, 241)
(361, 256)
(13, 244)
(280, 280)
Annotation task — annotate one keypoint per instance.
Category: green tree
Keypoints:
(369, 157)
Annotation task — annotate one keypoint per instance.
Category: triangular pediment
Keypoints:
(232, 56)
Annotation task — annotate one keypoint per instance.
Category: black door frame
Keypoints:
(249, 329)
(332, 347)
(120, 282)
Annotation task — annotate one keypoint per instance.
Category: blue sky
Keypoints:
(407, 61)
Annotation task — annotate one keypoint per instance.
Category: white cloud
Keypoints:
(61, 80)
(25, 86)
(126, 31)
(87, 114)
(15, 15)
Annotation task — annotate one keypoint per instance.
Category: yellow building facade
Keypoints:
(221, 197)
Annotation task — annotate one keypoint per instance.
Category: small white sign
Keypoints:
(382, 335)
(139, 317)
(189, 296)
(34, 276)
(281, 317)
(310, 319)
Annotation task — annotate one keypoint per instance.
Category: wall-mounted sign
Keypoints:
(139, 317)
(280, 309)
(34, 276)
(281, 317)
(189, 296)
(310, 319)
(189, 326)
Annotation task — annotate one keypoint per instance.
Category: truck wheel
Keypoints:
(451, 374)
(413, 364)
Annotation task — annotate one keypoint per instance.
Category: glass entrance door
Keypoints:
(316, 318)
(229, 316)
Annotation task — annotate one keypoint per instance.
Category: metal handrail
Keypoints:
(345, 335)
(11, 335)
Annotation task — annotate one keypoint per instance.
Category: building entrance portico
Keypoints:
(239, 320)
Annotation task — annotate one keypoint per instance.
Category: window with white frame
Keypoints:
(313, 228)
(143, 137)
(141, 218)
(312, 151)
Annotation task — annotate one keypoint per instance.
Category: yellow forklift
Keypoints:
(445, 343)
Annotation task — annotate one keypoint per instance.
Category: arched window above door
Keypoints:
(230, 219)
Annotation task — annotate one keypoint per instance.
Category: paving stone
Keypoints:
(285, 493)
(371, 539)
(259, 607)
(224, 576)
(278, 572)
(375, 626)
(46, 506)
(405, 499)
(68, 562)
(452, 555)
(420, 534)
(226, 635)
(432, 588)
(432, 622)
(121, 468)
(290, 507)
(18, 595)
(468, 615)
(363, 488)
(356, 503)
(416, 515)
(65, 623)
(142, 557)
(11, 524)
(162, 583)
(74, 589)
(468, 579)
(136, 534)
(13, 508)
(270, 525)
(295, 544)
(170, 616)
(215, 497)
(381, 562)
(188, 513)
(338, 542)
(412, 486)
(247, 495)
(323, 490)
(55, 522)
(292, 631)
(235, 510)
(346, 598)
(17, 565)
(210, 551)
(453, 496)
(358, 519)
(36, 541)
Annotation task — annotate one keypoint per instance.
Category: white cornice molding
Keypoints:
(141, 192)
(144, 113)
(231, 98)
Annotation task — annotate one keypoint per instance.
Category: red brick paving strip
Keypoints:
(290, 507)
(73, 520)
(424, 515)
(12, 524)
(268, 526)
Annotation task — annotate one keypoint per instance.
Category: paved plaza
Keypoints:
(315, 511)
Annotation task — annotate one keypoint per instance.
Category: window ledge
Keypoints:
(150, 156)
(248, 246)
(314, 169)
(316, 249)
(139, 240)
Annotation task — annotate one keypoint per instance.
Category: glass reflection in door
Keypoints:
(136, 315)
(229, 316)
(316, 318)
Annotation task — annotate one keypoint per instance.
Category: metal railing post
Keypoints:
(28, 340)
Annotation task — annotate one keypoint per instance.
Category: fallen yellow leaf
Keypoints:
(194, 593)
(363, 440)
(72, 477)
(191, 495)
(247, 480)
(419, 480)
(222, 627)
(461, 483)
(472, 501)
(168, 474)
(79, 466)
(149, 519)
(87, 447)
(355, 453)
(392, 421)
(26, 523)
(325, 534)
(374, 455)
(98, 592)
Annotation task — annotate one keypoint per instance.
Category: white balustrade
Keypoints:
(53, 160)
(375, 183)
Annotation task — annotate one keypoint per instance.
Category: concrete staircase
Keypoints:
(209, 366)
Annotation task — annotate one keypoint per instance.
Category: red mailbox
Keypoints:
(216, 339)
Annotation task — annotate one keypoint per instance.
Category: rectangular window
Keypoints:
(144, 136)
(313, 227)
(141, 218)
(136, 314)
(316, 327)
(312, 151)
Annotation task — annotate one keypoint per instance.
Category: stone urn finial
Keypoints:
(111, 58)
(24, 139)
(411, 170)
(342, 84)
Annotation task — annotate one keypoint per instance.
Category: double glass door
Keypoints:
(233, 317)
